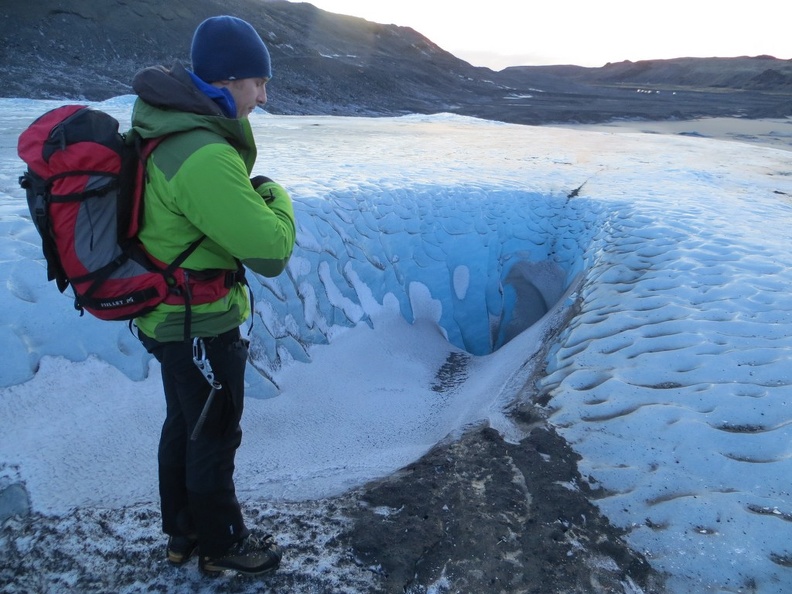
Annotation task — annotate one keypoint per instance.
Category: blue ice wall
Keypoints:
(494, 260)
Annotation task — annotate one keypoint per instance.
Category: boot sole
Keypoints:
(177, 559)
(218, 571)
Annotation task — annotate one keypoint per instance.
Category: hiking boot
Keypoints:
(251, 556)
(181, 549)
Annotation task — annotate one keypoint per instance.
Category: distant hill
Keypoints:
(764, 73)
(331, 64)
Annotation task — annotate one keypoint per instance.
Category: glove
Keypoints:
(258, 180)
(265, 193)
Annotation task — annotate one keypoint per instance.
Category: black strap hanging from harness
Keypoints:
(186, 289)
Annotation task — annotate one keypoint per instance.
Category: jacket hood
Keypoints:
(173, 89)
(170, 102)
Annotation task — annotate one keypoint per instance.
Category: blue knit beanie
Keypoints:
(228, 48)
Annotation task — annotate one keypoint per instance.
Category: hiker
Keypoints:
(198, 186)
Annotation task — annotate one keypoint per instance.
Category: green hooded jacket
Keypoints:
(198, 184)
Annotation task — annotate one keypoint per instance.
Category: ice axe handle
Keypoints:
(202, 419)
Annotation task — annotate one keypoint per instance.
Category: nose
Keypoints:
(261, 98)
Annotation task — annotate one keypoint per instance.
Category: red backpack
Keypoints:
(84, 188)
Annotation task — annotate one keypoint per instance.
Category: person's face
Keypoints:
(247, 94)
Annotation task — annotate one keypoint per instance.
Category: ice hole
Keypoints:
(530, 290)
(483, 266)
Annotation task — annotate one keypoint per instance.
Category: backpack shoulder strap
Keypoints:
(137, 157)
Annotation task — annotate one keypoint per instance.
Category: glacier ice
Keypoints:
(495, 262)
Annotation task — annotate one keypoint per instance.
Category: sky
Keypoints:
(501, 33)
(670, 378)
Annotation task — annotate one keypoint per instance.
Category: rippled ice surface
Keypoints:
(429, 240)
(675, 378)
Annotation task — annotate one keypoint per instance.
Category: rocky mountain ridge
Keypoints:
(333, 64)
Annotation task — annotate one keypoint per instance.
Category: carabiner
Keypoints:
(202, 362)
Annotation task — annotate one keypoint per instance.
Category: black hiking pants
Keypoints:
(196, 477)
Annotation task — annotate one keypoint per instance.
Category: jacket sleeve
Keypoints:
(279, 202)
(216, 196)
